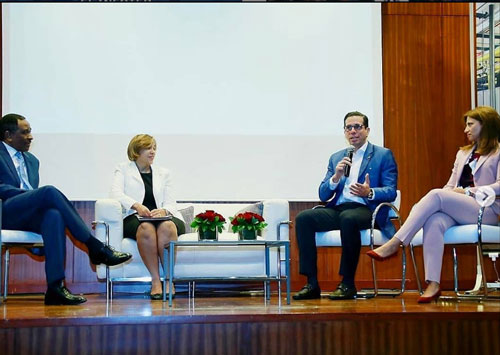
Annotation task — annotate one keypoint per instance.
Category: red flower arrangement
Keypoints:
(208, 220)
(247, 220)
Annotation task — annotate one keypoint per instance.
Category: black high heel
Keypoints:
(156, 296)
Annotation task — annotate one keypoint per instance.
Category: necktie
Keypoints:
(21, 171)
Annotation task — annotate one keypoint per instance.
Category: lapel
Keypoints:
(10, 164)
(134, 171)
(30, 170)
(156, 175)
(483, 158)
(480, 162)
(364, 163)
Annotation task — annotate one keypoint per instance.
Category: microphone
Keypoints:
(347, 168)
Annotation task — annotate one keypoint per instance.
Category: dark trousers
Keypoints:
(349, 218)
(48, 212)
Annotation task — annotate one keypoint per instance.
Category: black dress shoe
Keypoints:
(108, 256)
(308, 292)
(60, 295)
(343, 292)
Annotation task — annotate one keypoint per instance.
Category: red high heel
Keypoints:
(374, 255)
(435, 296)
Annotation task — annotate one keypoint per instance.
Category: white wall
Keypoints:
(246, 100)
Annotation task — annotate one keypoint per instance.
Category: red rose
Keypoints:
(200, 215)
(210, 216)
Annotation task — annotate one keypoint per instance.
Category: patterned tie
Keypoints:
(21, 171)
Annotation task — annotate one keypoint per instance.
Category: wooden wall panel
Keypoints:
(422, 9)
(408, 113)
(426, 9)
(460, 9)
(456, 79)
(426, 91)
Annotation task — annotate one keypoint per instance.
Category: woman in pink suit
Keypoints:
(477, 164)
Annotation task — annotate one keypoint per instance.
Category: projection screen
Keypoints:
(245, 100)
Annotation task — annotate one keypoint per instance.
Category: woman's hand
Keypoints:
(159, 212)
(459, 190)
(142, 210)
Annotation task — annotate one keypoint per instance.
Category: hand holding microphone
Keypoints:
(343, 167)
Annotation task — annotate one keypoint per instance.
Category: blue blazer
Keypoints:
(380, 164)
(9, 180)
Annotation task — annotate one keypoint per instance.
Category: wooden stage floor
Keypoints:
(249, 325)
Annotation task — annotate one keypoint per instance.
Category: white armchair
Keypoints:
(202, 261)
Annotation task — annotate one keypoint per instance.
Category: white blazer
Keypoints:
(128, 188)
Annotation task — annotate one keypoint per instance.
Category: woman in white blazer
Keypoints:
(477, 164)
(146, 190)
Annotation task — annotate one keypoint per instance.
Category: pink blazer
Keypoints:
(486, 172)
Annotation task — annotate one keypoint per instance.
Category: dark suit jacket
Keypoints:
(380, 164)
(9, 180)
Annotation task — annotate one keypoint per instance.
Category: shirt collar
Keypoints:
(363, 148)
(12, 151)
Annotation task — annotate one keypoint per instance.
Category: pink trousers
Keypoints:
(435, 213)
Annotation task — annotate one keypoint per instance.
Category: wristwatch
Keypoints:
(370, 194)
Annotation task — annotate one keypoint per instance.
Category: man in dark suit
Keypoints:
(43, 210)
(372, 180)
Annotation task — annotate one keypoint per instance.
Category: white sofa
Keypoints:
(197, 261)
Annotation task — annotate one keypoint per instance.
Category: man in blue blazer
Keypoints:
(352, 196)
(43, 210)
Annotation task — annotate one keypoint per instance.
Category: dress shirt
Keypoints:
(22, 167)
(346, 195)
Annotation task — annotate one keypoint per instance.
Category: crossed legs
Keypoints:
(47, 211)
(435, 213)
(151, 242)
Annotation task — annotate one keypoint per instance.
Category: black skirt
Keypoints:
(131, 223)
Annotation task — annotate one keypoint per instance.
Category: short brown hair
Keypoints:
(357, 113)
(490, 129)
(138, 143)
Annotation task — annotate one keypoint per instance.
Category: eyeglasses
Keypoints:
(356, 127)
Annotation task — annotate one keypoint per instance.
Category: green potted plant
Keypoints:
(247, 225)
(208, 224)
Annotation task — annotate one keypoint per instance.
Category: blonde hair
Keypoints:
(490, 129)
(138, 143)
